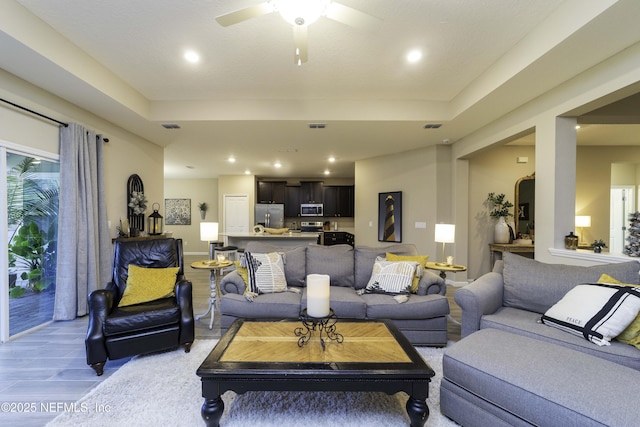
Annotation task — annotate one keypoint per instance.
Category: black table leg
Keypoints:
(418, 411)
(212, 410)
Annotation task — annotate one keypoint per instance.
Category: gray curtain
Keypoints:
(84, 246)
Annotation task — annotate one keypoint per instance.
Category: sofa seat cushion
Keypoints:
(527, 323)
(381, 306)
(541, 383)
(536, 286)
(280, 305)
(140, 317)
(335, 261)
(344, 302)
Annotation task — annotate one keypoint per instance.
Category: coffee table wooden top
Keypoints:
(273, 345)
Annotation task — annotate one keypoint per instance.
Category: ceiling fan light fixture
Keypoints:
(301, 12)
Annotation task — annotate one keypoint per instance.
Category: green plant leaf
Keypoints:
(17, 292)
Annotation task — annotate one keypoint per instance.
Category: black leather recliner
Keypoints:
(116, 332)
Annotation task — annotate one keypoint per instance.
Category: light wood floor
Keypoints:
(49, 365)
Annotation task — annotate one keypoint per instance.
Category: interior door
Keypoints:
(236, 213)
(622, 204)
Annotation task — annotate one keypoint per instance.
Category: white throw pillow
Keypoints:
(597, 312)
(265, 272)
(390, 277)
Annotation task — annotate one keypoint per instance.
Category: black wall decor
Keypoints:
(136, 221)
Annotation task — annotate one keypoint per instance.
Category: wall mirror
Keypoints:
(524, 206)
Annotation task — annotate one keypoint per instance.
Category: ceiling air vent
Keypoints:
(170, 125)
(317, 125)
(432, 125)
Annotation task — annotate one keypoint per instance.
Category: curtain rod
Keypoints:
(35, 112)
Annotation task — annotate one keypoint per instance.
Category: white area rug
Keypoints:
(163, 389)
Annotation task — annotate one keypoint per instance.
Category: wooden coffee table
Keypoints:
(264, 356)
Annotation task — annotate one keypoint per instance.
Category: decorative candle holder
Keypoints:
(326, 325)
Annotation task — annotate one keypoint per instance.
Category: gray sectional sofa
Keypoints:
(511, 369)
(422, 319)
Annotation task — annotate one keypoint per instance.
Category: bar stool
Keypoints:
(230, 253)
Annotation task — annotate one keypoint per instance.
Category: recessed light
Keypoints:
(192, 56)
(577, 126)
(332, 159)
(414, 56)
(277, 165)
(247, 172)
(326, 172)
(232, 159)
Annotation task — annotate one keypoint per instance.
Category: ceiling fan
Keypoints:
(301, 14)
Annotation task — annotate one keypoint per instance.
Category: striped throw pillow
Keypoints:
(391, 277)
(597, 312)
(266, 272)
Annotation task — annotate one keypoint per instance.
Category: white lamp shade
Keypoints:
(209, 231)
(583, 221)
(445, 233)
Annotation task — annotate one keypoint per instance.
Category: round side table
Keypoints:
(214, 297)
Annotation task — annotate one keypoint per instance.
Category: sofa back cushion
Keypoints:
(365, 257)
(536, 286)
(292, 257)
(336, 261)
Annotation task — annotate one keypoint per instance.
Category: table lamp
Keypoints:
(582, 221)
(445, 233)
(209, 233)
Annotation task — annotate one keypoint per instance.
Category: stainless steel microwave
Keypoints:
(311, 209)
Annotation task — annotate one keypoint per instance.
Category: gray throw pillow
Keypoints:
(336, 261)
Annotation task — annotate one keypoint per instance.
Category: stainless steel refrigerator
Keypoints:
(270, 215)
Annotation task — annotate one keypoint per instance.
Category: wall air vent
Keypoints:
(317, 125)
(432, 125)
(170, 125)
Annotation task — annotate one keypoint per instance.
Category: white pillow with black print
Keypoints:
(265, 272)
(391, 277)
(597, 312)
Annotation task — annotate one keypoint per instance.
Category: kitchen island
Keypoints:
(288, 239)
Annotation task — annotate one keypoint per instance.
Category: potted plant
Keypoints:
(597, 246)
(203, 209)
(499, 205)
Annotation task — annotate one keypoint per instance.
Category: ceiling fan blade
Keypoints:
(247, 13)
(352, 17)
(300, 53)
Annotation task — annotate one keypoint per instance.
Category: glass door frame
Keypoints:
(6, 146)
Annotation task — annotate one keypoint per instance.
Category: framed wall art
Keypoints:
(390, 217)
(177, 211)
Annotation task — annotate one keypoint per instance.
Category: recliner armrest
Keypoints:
(184, 299)
(481, 297)
(232, 283)
(101, 303)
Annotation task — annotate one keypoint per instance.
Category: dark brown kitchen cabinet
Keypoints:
(310, 191)
(338, 200)
(292, 201)
(271, 191)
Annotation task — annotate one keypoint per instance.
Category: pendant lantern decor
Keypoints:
(154, 221)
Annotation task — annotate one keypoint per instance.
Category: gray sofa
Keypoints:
(511, 369)
(422, 319)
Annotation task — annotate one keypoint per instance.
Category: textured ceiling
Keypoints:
(246, 97)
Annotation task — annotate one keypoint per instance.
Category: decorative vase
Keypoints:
(501, 231)
(597, 249)
(571, 241)
(203, 214)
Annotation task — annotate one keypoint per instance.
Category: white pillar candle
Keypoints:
(318, 295)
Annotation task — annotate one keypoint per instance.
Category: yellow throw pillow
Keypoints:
(631, 334)
(148, 284)
(243, 272)
(420, 259)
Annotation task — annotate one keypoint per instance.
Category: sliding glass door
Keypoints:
(30, 190)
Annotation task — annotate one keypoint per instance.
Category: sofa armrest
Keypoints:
(232, 283)
(184, 299)
(483, 296)
(431, 283)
